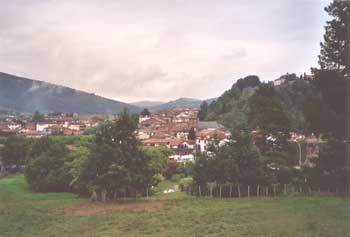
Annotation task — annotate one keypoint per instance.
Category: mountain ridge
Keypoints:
(24, 95)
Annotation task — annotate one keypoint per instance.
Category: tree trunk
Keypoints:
(147, 193)
(211, 191)
(267, 191)
(230, 190)
(199, 191)
(257, 190)
(2, 168)
(239, 191)
(93, 197)
(285, 189)
(248, 191)
(274, 190)
(220, 189)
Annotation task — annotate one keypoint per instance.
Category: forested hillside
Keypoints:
(234, 105)
(27, 96)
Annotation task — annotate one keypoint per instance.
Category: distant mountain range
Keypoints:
(147, 103)
(24, 95)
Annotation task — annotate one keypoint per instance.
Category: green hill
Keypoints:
(232, 107)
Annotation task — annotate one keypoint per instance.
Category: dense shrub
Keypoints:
(45, 170)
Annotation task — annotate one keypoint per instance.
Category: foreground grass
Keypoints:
(24, 213)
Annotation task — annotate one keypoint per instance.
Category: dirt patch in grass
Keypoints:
(90, 209)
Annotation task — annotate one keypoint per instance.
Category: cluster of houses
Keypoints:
(179, 130)
(50, 125)
(289, 78)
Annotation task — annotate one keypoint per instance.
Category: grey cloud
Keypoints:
(161, 49)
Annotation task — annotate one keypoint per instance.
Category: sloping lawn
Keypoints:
(24, 213)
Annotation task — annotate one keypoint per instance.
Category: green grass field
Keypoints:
(24, 213)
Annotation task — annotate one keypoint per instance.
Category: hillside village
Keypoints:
(175, 118)
(179, 128)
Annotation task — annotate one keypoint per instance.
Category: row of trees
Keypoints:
(239, 163)
(324, 111)
(240, 166)
(108, 164)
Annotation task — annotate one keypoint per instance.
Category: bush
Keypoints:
(176, 178)
(185, 184)
(45, 170)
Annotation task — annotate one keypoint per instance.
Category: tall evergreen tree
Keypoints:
(145, 112)
(117, 165)
(192, 134)
(335, 48)
(203, 111)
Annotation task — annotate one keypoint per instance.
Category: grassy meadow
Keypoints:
(24, 213)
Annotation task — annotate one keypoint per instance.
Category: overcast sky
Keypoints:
(158, 49)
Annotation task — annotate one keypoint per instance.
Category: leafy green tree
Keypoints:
(77, 164)
(145, 112)
(266, 111)
(235, 163)
(117, 165)
(158, 161)
(191, 134)
(16, 150)
(45, 170)
(332, 168)
(201, 170)
(37, 117)
(203, 110)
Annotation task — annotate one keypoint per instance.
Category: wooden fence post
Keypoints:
(199, 191)
(257, 190)
(104, 195)
(274, 190)
(220, 190)
(230, 190)
(248, 191)
(239, 191)
(285, 189)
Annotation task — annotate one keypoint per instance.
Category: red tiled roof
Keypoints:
(211, 133)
